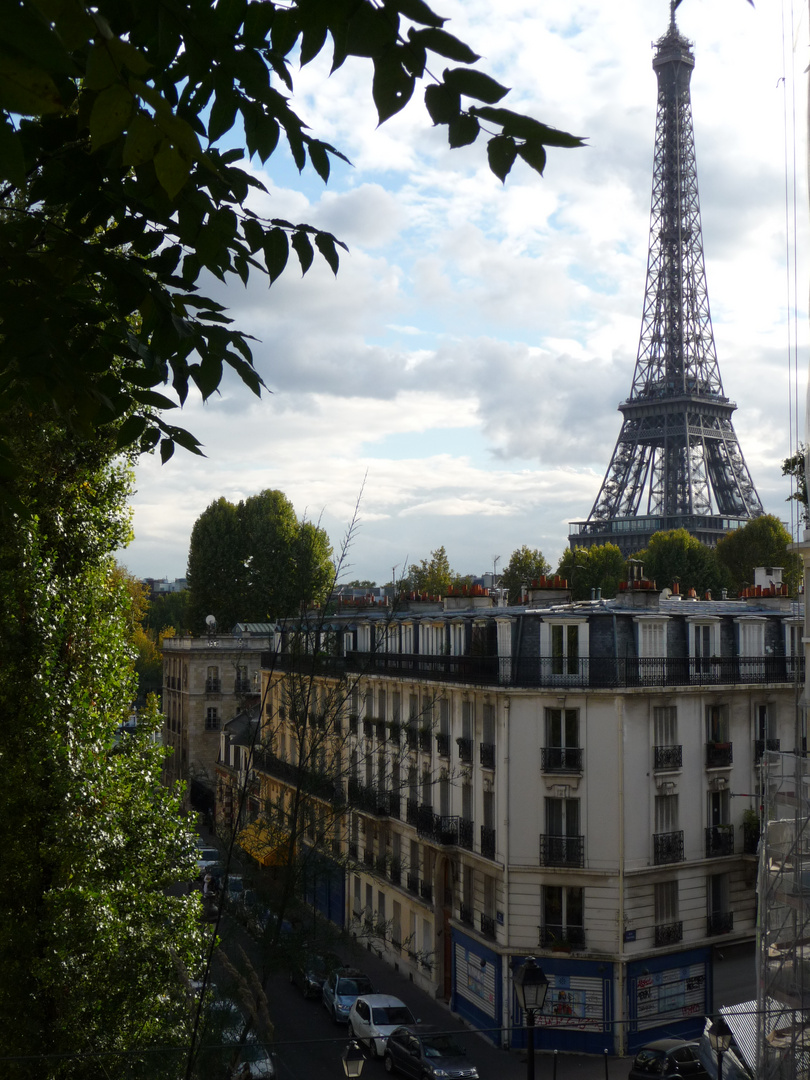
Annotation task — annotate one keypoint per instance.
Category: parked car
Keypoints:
(668, 1057)
(422, 1051)
(373, 1017)
(311, 971)
(341, 989)
(207, 859)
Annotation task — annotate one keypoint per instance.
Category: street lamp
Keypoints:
(353, 1060)
(531, 987)
(720, 1040)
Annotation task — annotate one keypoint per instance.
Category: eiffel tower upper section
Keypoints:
(677, 463)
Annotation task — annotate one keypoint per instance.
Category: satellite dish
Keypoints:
(666, 593)
(210, 621)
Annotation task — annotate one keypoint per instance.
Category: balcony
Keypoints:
(487, 842)
(487, 754)
(242, 686)
(394, 730)
(719, 841)
(761, 745)
(488, 926)
(558, 850)
(465, 834)
(668, 847)
(424, 822)
(557, 934)
(393, 801)
(718, 755)
(447, 830)
(561, 759)
(465, 751)
(424, 740)
(413, 883)
(443, 745)
(668, 934)
(411, 811)
(411, 738)
(719, 922)
(368, 728)
(466, 915)
(212, 686)
(426, 891)
(599, 671)
(667, 757)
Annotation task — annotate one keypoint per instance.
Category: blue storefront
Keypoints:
(668, 997)
(578, 1015)
(477, 993)
(325, 887)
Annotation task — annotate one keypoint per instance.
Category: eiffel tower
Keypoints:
(677, 463)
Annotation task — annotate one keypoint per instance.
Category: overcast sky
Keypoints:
(465, 367)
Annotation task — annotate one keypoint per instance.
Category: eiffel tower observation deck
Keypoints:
(677, 462)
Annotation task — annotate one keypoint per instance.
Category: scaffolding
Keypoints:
(783, 977)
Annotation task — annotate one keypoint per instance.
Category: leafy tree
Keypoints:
(255, 561)
(796, 467)
(117, 122)
(675, 555)
(762, 542)
(433, 575)
(167, 609)
(361, 584)
(94, 944)
(599, 567)
(525, 565)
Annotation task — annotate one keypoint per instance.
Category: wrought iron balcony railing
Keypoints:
(411, 738)
(466, 915)
(718, 755)
(425, 822)
(426, 891)
(442, 744)
(368, 857)
(413, 883)
(667, 757)
(719, 922)
(465, 834)
(668, 847)
(212, 686)
(487, 842)
(487, 926)
(447, 829)
(411, 811)
(558, 850)
(668, 934)
(566, 759)
(424, 740)
(368, 728)
(761, 745)
(552, 934)
(242, 686)
(719, 840)
(487, 751)
(465, 751)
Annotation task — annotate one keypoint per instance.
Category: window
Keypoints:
(666, 748)
(457, 639)
(212, 683)
(212, 719)
(751, 647)
(717, 723)
(561, 844)
(720, 919)
(382, 711)
(666, 813)
(562, 740)
(704, 643)
(561, 914)
(666, 902)
(652, 637)
(364, 638)
(407, 637)
(564, 648)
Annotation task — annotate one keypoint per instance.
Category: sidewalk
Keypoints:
(492, 1063)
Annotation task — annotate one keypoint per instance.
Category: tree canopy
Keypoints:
(255, 561)
(433, 575)
(674, 555)
(525, 565)
(762, 542)
(599, 567)
(121, 192)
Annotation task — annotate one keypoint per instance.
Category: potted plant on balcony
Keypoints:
(560, 943)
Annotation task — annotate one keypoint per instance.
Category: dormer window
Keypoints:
(564, 648)
(651, 638)
(704, 644)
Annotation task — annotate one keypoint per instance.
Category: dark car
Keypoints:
(421, 1051)
(341, 990)
(668, 1057)
(311, 970)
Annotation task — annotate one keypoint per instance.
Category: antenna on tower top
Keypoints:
(672, 5)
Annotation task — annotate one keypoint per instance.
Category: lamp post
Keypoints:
(353, 1060)
(720, 1040)
(531, 987)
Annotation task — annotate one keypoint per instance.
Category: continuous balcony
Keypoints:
(561, 759)
(558, 850)
(668, 847)
(544, 671)
(322, 786)
(719, 841)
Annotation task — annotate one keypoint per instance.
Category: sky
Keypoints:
(458, 382)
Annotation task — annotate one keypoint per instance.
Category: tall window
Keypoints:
(564, 649)
(717, 723)
(666, 813)
(652, 637)
(562, 740)
(562, 817)
(718, 808)
(562, 913)
(665, 722)
(666, 902)
(212, 719)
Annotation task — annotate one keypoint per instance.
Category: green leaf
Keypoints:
(501, 152)
(415, 10)
(439, 41)
(253, 232)
(131, 430)
(111, 111)
(392, 85)
(325, 243)
(370, 31)
(152, 398)
(443, 104)
(141, 141)
(474, 84)
(525, 127)
(534, 154)
(313, 39)
(171, 169)
(463, 131)
(26, 88)
(276, 252)
(261, 133)
(166, 450)
(102, 70)
(223, 114)
(12, 162)
(303, 249)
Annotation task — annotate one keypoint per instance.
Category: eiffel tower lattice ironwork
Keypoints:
(677, 461)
